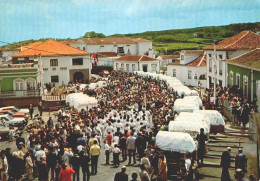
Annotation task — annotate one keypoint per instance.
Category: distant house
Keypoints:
(105, 58)
(244, 72)
(119, 45)
(130, 63)
(6, 54)
(166, 59)
(190, 69)
(57, 62)
(226, 49)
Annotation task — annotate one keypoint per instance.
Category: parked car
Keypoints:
(4, 131)
(14, 111)
(8, 120)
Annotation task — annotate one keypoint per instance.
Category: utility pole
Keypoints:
(215, 70)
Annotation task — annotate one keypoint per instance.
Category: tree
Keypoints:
(93, 34)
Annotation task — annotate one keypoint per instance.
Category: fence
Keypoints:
(25, 93)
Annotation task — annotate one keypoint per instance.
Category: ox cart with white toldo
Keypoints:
(81, 101)
(216, 120)
(175, 145)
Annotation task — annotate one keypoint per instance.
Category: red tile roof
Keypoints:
(249, 60)
(242, 40)
(108, 41)
(107, 54)
(50, 48)
(165, 57)
(141, 40)
(199, 61)
(136, 58)
(68, 42)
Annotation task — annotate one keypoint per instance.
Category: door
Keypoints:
(18, 86)
(145, 68)
(78, 77)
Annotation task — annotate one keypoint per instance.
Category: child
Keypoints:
(116, 153)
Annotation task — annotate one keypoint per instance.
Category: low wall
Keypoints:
(22, 102)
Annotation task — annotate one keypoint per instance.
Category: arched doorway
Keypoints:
(78, 77)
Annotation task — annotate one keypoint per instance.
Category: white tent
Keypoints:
(175, 141)
(196, 99)
(214, 116)
(81, 101)
(181, 105)
(192, 128)
(195, 117)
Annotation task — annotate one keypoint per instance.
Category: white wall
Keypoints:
(63, 61)
(223, 77)
(104, 61)
(121, 65)
(111, 48)
(188, 58)
(182, 73)
(143, 47)
(7, 55)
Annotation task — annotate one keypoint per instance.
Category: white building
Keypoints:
(190, 69)
(227, 49)
(166, 59)
(105, 58)
(6, 54)
(57, 62)
(130, 63)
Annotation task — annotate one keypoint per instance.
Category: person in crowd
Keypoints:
(31, 111)
(225, 164)
(116, 152)
(3, 166)
(240, 161)
(121, 176)
(43, 170)
(40, 108)
(201, 138)
(239, 175)
(134, 176)
(29, 165)
(144, 176)
(162, 168)
(107, 151)
(75, 162)
(65, 173)
(84, 161)
(131, 148)
(94, 153)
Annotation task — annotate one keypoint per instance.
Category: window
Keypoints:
(189, 74)
(83, 48)
(55, 78)
(231, 78)
(174, 72)
(210, 65)
(182, 57)
(18, 84)
(127, 67)
(122, 66)
(45, 69)
(54, 62)
(209, 56)
(31, 84)
(77, 61)
(63, 68)
(101, 45)
(238, 80)
(154, 66)
(120, 50)
(127, 45)
(220, 64)
(133, 67)
(220, 57)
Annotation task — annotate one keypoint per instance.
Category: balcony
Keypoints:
(24, 93)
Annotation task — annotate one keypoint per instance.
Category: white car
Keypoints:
(15, 109)
(11, 121)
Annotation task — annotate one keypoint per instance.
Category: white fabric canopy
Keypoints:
(188, 105)
(81, 101)
(195, 117)
(175, 141)
(196, 99)
(214, 116)
(192, 128)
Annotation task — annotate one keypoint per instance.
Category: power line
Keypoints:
(38, 49)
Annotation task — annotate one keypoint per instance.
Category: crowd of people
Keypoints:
(130, 112)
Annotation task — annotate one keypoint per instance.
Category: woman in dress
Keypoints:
(162, 168)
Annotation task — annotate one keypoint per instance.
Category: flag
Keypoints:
(97, 57)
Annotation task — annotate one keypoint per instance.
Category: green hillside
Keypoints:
(172, 41)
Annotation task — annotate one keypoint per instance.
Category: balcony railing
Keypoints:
(24, 93)
(61, 97)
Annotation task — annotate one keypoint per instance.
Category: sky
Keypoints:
(33, 19)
